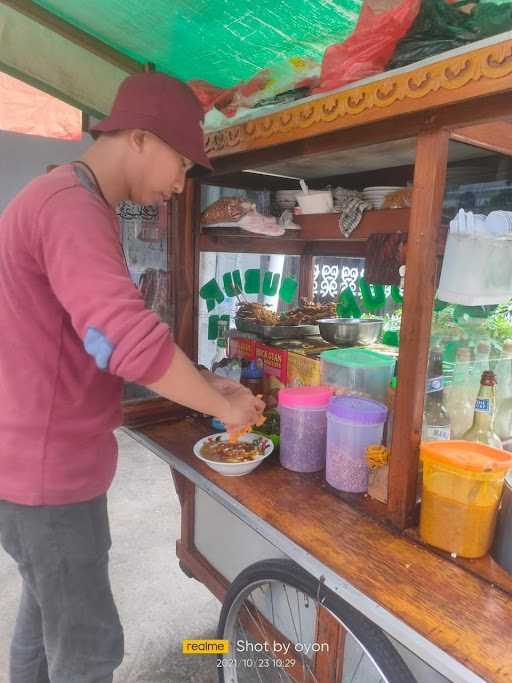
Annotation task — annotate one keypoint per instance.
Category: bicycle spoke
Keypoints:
(357, 667)
(291, 611)
(296, 634)
(298, 613)
(272, 605)
(262, 626)
(261, 629)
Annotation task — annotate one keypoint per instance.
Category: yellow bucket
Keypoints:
(462, 486)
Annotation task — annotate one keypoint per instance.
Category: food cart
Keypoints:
(446, 617)
(371, 602)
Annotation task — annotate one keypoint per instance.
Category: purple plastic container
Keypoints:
(303, 428)
(353, 424)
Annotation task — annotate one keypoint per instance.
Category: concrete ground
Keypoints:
(158, 604)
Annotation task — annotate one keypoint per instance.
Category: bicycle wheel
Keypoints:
(270, 617)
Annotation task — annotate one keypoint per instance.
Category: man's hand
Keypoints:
(243, 409)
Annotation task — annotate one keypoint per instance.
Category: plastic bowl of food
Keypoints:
(233, 460)
(340, 331)
(370, 330)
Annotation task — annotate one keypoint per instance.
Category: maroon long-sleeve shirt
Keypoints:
(72, 327)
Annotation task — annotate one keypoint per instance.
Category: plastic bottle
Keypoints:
(481, 364)
(458, 398)
(390, 403)
(504, 393)
(436, 421)
(252, 377)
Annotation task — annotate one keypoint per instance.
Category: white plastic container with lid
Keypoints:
(316, 202)
(477, 270)
(357, 371)
(353, 424)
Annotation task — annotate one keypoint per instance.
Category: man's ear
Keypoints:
(137, 139)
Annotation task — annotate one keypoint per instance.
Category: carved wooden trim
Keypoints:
(479, 72)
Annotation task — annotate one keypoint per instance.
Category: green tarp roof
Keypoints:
(222, 41)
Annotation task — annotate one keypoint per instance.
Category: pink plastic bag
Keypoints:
(369, 48)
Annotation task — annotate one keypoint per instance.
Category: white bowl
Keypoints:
(376, 202)
(234, 469)
(316, 202)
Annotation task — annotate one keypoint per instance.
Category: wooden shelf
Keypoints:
(320, 234)
(326, 226)
(484, 567)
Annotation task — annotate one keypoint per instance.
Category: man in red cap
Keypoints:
(73, 327)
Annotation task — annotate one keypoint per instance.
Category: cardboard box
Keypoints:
(274, 360)
(242, 345)
(303, 370)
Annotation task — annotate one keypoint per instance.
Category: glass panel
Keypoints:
(215, 265)
(472, 316)
(333, 274)
(145, 238)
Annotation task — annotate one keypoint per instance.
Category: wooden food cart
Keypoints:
(448, 617)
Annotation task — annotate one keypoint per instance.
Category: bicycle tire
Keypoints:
(369, 636)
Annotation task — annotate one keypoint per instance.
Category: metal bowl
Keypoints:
(340, 331)
(370, 330)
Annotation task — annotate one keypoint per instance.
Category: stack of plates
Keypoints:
(286, 199)
(376, 195)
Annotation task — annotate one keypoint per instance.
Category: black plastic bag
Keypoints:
(439, 27)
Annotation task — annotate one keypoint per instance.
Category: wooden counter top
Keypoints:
(463, 615)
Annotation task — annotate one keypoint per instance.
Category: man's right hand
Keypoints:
(240, 409)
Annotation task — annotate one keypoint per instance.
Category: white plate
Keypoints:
(383, 188)
(234, 469)
(377, 195)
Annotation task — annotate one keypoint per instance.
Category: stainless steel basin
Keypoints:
(340, 331)
(370, 330)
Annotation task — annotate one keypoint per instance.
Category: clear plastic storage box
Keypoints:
(360, 372)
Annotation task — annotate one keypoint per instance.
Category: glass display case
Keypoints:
(472, 317)
(146, 244)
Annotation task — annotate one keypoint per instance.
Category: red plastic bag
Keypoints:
(228, 100)
(211, 95)
(369, 48)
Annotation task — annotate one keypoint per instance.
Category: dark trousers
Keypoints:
(67, 629)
